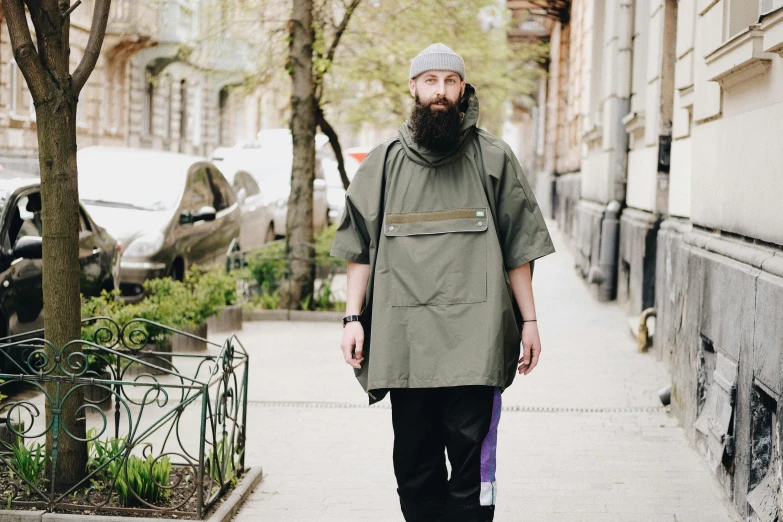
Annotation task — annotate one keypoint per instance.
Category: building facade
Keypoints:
(669, 194)
(173, 75)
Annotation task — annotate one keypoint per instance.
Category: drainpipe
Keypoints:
(605, 273)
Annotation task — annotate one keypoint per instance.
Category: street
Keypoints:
(582, 438)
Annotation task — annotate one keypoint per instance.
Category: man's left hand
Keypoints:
(531, 348)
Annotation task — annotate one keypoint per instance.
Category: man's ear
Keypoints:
(462, 91)
(412, 87)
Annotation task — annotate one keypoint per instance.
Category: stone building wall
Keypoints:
(697, 225)
(148, 90)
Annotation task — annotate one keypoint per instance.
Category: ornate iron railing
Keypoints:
(178, 437)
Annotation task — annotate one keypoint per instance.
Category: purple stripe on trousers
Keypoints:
(490, 444)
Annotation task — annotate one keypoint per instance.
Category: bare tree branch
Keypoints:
(320, 119)
(26, 56)
(71, 9)
(341, 29)
(100, 19)
(48, 33)
(65, 27)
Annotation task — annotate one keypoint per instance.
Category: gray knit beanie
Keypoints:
(438, 57)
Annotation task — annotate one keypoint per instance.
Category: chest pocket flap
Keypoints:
(436, 258)
(438, 222)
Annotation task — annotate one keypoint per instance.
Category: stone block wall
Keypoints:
(719, 330)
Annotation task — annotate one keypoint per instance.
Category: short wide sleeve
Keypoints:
(523, 234)
(356, 236)
(352, 241)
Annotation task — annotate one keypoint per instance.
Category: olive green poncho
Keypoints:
(439, 310)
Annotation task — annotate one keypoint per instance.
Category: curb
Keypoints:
(293, 315)
(231, 505)
(21, 516)
(227, 509)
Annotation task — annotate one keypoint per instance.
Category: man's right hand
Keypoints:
(352, 345)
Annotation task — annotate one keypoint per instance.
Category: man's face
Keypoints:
(431, 86)
(436, 120)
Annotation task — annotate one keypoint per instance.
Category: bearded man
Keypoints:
(440, 231)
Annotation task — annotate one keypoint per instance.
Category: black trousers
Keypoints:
(431, 421)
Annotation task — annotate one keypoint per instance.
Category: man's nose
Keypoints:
(440, 89)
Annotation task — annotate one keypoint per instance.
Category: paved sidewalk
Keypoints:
(582, 438)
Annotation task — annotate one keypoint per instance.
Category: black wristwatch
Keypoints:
(348, 318)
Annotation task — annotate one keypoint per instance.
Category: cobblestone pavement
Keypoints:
(582, 438)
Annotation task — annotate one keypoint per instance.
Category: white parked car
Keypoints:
(269, 162)
(335, 190)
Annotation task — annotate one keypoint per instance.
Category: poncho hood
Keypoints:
(469, 106)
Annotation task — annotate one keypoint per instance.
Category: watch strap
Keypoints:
(350, 318)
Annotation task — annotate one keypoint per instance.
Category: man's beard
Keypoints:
(439, 129)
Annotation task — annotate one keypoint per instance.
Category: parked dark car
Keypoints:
(21, 290)
(167, 210)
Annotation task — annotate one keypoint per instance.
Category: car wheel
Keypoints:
(177, 272)
(108, 285)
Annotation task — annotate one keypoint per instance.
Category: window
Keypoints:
(116, 100)
(111, 109)
(221, 191)
(742, 14)
(198, 193)
(169, 107)
(26, 219)
(222, 106)
(767, 6)
(107, 96)
(84, 224)
(197, 130)
(21, 100)
(14, 88)
(149, 109)
(82, 106)
(243, 180)
(183, 111)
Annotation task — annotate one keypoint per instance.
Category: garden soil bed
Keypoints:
(178, 495)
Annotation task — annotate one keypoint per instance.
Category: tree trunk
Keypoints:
(299, 224)
(61, 277)
(56, 93)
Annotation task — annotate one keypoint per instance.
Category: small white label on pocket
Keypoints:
(479, 213)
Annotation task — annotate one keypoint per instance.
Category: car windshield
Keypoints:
(129, 184)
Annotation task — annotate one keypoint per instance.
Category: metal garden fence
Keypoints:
(177, 440)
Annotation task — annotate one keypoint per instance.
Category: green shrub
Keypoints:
(266, 300)
(268, 266)
(144, 477)
(210, 291)
(100, 452)
(323, 248)
(176, 304)
(28, 462)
